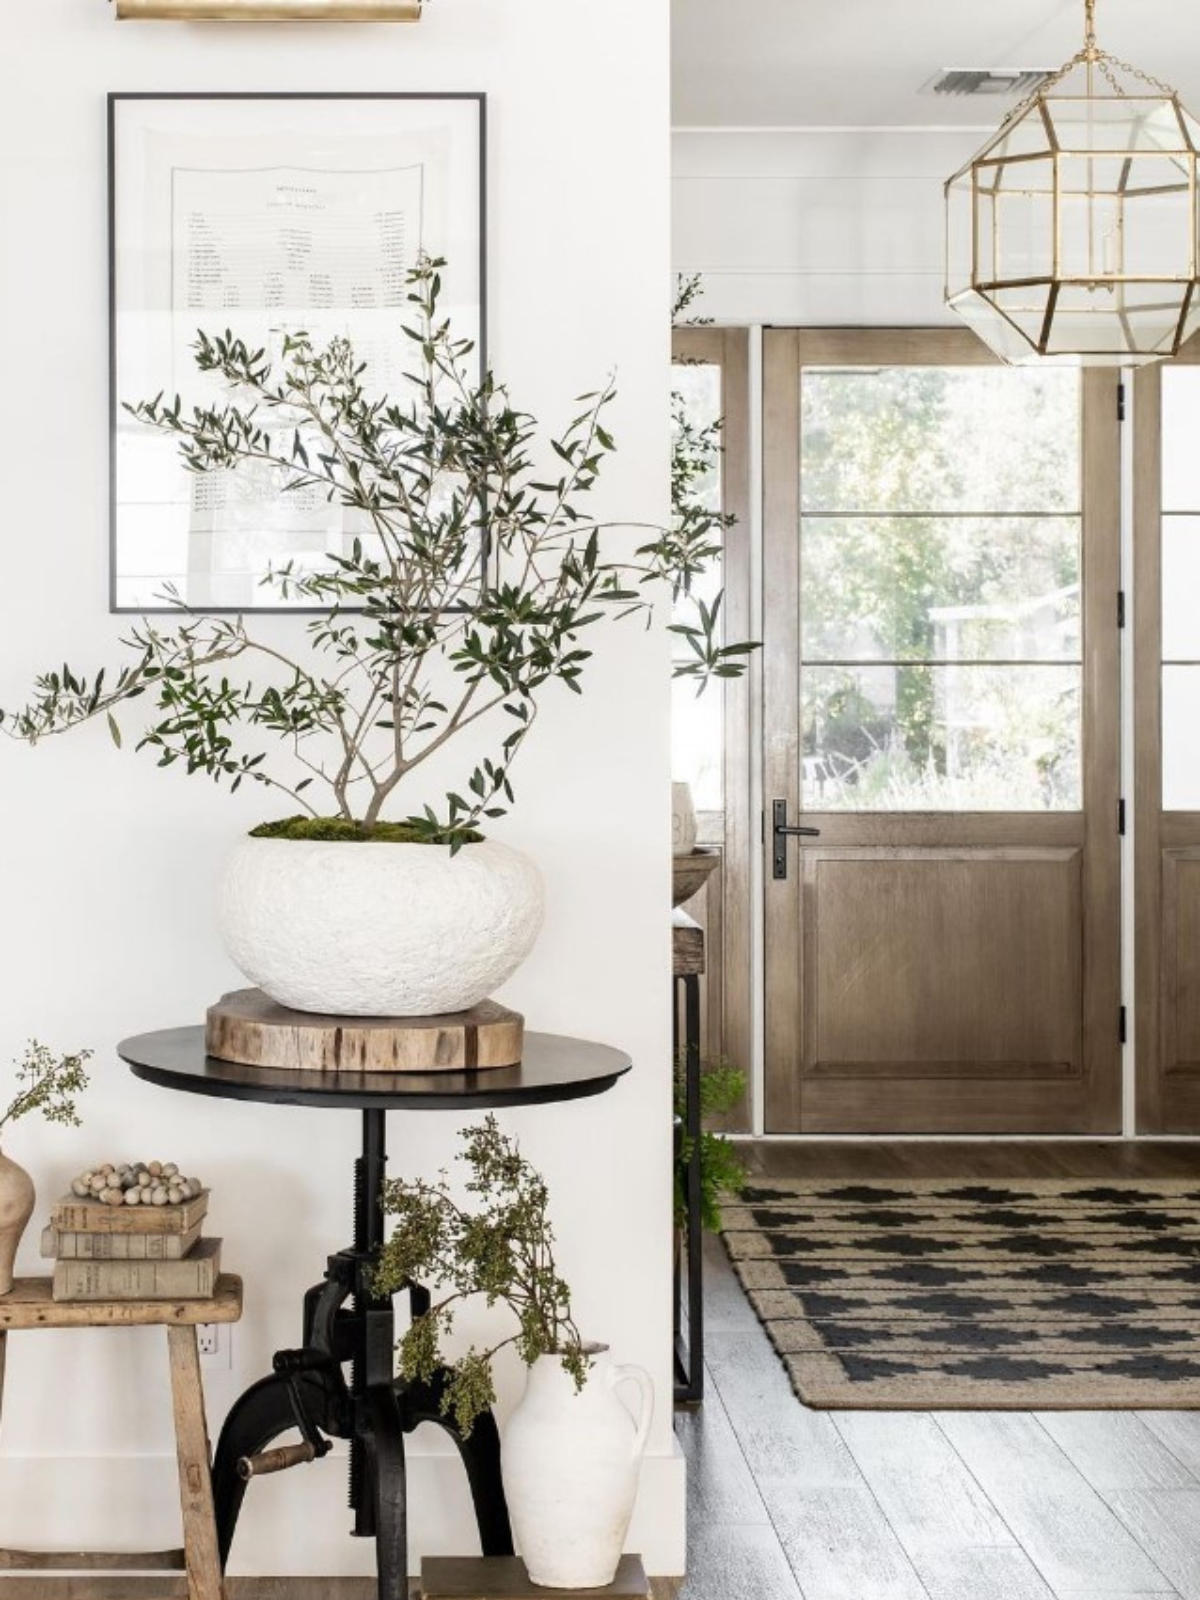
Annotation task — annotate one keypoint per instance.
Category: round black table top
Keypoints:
(554, 1067)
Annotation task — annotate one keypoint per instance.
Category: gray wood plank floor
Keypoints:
(790, 1504)
(860, 1505)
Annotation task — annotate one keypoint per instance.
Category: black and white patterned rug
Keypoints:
(916, 1295)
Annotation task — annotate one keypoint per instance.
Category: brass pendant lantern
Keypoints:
(1072, 236)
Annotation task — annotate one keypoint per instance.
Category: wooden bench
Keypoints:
(30, 1306)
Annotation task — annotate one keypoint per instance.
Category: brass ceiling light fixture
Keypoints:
(1072, 236)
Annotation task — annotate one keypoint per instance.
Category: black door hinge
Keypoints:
(1122, 1029)
(1120, 608)
(1120, 402)
(1121, 818)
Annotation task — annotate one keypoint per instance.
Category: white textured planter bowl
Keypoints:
(373, 929)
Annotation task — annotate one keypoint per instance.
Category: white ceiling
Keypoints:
(806, 63)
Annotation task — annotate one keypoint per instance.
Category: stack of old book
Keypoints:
(151, 1252)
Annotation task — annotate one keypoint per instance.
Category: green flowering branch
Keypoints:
(49, 1084)
(502, 1251)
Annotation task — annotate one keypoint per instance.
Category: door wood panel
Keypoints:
(949, 972)
(943, 963)
(1181, 977)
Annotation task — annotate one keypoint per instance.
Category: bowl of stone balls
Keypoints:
(136, 1183)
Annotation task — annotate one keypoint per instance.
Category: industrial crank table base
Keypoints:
(345, 1323)
(308, 1390)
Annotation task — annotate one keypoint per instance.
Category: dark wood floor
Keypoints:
(791, 1504)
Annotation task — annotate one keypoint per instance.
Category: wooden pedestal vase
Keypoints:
(16, 1208)
(249, 1028)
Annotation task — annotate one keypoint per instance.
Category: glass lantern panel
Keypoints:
(1124, 217)
(1115, 124)
(1160, 238)
(960, 234)
(1026, 137)
(1191, 128)
(1016, 222)
(1024, 308)
(1127, 319)
(1192, 322)
(996, 331)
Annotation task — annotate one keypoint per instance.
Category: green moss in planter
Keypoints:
(342, 828)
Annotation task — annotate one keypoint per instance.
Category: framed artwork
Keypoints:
(260, 215)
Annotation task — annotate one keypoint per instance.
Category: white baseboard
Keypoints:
(295, 1524)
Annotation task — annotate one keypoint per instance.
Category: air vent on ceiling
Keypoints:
(986, 80)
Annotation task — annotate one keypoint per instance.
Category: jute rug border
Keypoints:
(819, 1377)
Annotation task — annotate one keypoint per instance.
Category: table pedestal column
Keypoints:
(345, 1322)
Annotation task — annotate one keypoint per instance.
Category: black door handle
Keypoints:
(781, 831)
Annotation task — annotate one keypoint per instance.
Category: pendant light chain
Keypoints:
(1092, 52)
(1092, 56)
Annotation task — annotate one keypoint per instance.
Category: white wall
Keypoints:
(107, 865)
(816, 226)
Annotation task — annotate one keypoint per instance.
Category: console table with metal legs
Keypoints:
(687, 964)
(344, 1323)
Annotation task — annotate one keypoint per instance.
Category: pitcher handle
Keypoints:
(638, 1375)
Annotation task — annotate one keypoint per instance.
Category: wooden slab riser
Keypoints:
(248, 1028)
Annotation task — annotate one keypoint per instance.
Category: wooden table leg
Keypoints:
(195, 1482)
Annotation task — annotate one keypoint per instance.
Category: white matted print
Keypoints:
(261, 215)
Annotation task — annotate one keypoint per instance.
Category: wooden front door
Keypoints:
(941, 700)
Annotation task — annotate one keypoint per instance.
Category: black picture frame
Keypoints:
(475, 103)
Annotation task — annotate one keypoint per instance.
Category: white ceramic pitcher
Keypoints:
(570, 1462)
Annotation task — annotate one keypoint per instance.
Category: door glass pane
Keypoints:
(1180, 430)
(1181, 747)
(1180, 588)
(941, 575)
(697, 723)
(940, 588)
(940, 738)
(950, 439)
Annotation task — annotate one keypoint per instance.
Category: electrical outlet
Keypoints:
(215, 1343)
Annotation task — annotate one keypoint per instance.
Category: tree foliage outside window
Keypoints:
(940, 626)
